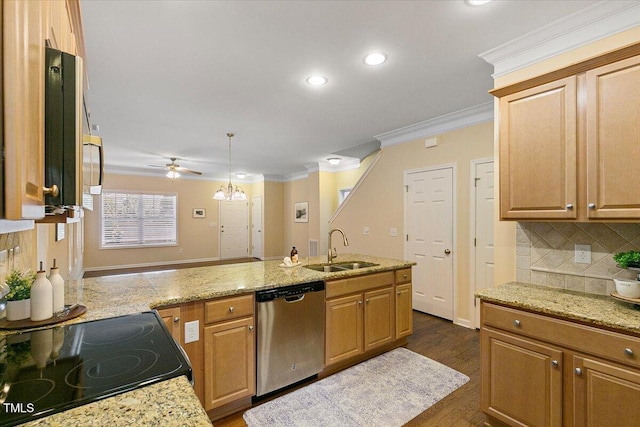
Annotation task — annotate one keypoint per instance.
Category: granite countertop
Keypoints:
(173, 402)
(596, 310)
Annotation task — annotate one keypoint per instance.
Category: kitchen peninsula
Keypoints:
(194, 294)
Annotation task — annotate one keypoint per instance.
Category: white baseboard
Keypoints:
(150, 264)
(463, 322)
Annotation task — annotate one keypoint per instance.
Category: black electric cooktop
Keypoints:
(52, 370)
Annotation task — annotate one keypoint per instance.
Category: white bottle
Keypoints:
(41, 297)
(57, 283)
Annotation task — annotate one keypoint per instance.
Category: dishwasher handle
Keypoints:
(295, 298)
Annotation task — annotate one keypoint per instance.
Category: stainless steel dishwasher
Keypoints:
(290, 338)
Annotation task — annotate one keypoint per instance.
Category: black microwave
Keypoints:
(66, 147)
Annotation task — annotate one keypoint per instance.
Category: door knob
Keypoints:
(51, 191)
(447, 251)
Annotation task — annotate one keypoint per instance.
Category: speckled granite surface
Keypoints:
(173, 403)
(170, 403)
(596, 310)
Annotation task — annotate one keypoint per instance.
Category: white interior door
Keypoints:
(234, 229)
(429, 240)
(256, 227)
(483, 270)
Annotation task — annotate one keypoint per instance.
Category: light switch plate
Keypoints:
(393, 232)
(191, 331)
(583, 254)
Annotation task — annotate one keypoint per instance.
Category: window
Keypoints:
(132, 219)
(343, 194)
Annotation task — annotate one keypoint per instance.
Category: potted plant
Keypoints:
(627, 259)
(18, 298)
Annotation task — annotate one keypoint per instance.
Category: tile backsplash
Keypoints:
(545, 253)
(16, 251)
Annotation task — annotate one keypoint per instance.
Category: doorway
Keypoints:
(482, 214)
(256, 227)
(429, 219)
(234, 229)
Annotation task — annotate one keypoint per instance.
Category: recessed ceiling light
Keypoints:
(317, 80)
(334, 160)
(375, 58)
(476, 2)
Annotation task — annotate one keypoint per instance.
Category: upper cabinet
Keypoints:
(570, 142)
(23, 46)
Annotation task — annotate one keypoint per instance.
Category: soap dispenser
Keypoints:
(41, 297)
(57, 283)
(294, 255)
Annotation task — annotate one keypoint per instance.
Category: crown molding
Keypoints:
(593, 23)
(459, 119)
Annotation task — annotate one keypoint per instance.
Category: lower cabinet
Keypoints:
(171, 318)
(543, 371)
(229, 355)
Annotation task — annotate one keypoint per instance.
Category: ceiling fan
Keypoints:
(173, 169)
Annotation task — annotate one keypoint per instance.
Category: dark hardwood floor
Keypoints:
(451, 345)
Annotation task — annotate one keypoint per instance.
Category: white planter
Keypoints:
(18, 310)
(628, 288)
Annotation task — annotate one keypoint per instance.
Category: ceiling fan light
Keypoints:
(173, 174)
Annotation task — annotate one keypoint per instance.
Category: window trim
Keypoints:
(137, 246)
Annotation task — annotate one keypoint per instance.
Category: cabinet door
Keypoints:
(171, 318)
(613, 140)
(343, 328)
(404, 311)
(229, 358)
(605, 394)
(379, 315)
(521, 380)
(538, 152)
(23, 37)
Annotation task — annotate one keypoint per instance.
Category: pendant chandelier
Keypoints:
(230, 193)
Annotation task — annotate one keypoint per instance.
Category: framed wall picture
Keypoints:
(301, 212)
(199, 213)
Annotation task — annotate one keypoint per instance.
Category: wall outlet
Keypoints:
(393, 232)
(365, 231)
(191, 331)
(583, 254)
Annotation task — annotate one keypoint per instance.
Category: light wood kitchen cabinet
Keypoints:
(229, 351)
(362, 321)
(23, 49)
(569, 146)
(60, 30)
(543, 371)
(613, 140)
(538, 132)
(521, 380)
(404, 303)
(171, 318)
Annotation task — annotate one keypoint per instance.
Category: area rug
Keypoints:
(385, 391)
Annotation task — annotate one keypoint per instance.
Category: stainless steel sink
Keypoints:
(340, 266)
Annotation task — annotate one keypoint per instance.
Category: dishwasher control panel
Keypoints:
(288, 291)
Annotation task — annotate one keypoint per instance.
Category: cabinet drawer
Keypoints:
(354, 285)
(228, 308)
(611, 345)
(403, 276)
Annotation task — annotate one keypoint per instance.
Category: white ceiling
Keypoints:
(171, 78)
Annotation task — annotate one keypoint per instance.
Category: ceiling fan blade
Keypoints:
(185, 170)
(156, 166)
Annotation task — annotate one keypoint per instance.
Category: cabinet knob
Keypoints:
(516, 323)
(251, 327)
(231, 309)
(569, 206)
(628, 351)
(578, 371)
(404, 276)
(360, 302)
(398, 293)
(368, 300)
(555, 363)
(176, 319)
(591, 205)
(51, 191)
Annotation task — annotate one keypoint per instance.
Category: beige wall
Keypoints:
(505, 231)
(197, 237)
(274, 219)
(296, 233)
(379, 201)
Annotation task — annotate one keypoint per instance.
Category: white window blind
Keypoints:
(132, 219)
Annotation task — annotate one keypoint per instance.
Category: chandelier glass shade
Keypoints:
(230, 193)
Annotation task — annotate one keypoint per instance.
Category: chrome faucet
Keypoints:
(332, 252)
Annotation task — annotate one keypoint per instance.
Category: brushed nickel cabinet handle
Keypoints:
(231, 309)
(516, 323)
(555, 363)
(591, 205)
(628, 351)
(176, 319)
(578, 371)
(569, 206)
